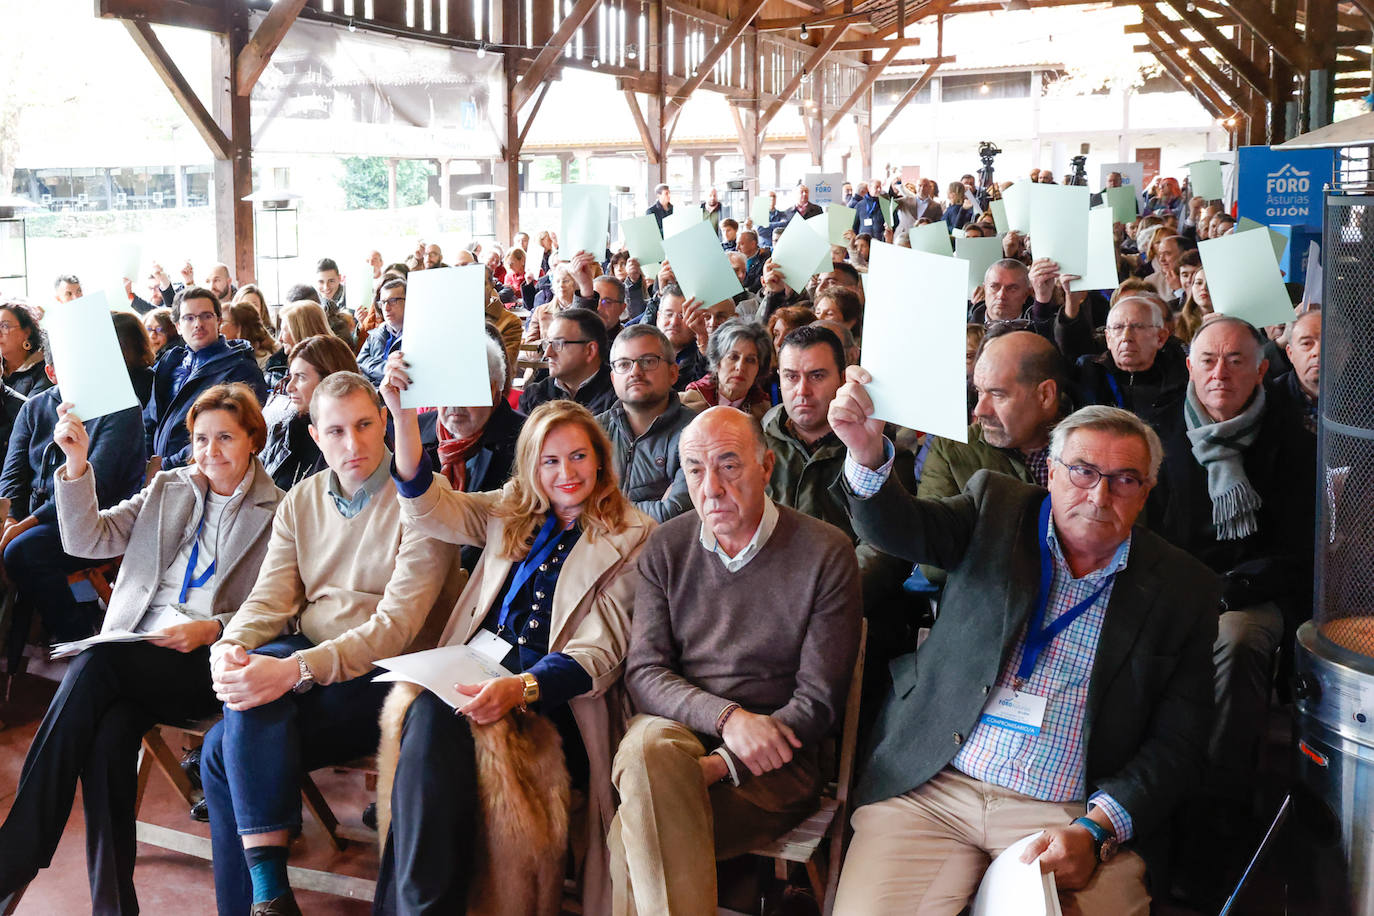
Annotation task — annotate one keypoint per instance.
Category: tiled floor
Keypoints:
(169, 882)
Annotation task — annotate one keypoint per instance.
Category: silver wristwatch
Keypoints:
(307, 676)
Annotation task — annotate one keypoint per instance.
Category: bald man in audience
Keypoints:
(1138, 372)
(739, 661)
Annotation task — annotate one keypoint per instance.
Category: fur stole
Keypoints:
(523, 790)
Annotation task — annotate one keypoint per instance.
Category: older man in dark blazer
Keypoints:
(1064, 692)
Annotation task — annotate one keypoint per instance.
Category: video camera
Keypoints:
(1080, 170)
(986, 151)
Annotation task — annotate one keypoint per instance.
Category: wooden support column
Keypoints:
(1321, 81)
(656, 172)
(258, 52)
(1280, 74)
(508, 203)
(866, 138)
(1257, 100)
(233, 176)
(748, 11)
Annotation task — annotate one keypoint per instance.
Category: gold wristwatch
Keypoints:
(531, 688)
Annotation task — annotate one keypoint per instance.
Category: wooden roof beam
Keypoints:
(1261, 20)
(747, 12)
(823, 18)
(1184, 75)
(201, 119)
(257, 53)
(876, 44)
(906, 98)
(1225, 84)
(831, 39)
(874, 71)
(550, 53)
(165, 12)
(1240, 63)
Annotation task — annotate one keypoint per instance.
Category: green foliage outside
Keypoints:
(365, 183)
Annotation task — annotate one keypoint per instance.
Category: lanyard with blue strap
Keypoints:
(191, 580)
(543, 546)
(1116, 390)
(1036, 638)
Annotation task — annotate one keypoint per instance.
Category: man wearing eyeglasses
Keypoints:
(204, 360)
(646, 423)
(1139, 372)
(1064, 690)
(609, 295)
(384, 339)
(573, 351)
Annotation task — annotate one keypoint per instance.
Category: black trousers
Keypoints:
(111, 695)
(433, 815)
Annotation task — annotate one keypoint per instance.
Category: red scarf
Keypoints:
(453, 456)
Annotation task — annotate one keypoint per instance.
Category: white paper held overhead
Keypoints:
(445, 338)
(86, 354)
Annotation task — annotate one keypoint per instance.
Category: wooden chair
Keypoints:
(802, 844)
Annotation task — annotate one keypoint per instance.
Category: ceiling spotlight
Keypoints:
(595, 63)
(1183, 52)
(983, 89)
(1192, 7)
(804, 33)
(352, 26)
(631, 53)
(481, 50)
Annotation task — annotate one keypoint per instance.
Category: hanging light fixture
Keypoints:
(481, 50)
(804, 33)
(631, 53)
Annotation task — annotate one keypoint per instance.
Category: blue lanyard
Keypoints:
(1036, 638)
(543, 546)
(1116, 390)
(190, 580)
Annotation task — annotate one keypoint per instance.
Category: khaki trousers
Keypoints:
(671, 828)
(925, 852)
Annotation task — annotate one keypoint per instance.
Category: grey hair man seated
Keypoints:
(739, 661)
(647, 421)
(1064, 691)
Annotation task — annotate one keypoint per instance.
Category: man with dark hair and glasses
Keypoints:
(1064, 691)
(609, 294)
(384, 339)
(645, 424)
(574, 351)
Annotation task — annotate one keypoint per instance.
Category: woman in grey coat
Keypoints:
(192, 542)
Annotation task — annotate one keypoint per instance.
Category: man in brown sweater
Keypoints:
(353, 586)
(739, 660)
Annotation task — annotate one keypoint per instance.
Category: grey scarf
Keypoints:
(1220, 448)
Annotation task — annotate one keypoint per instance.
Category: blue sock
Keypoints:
(267, 868)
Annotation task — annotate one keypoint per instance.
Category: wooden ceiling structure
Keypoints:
(1265, 68)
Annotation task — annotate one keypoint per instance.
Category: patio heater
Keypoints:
(1334, 681)
(14, 241)
(276, 226)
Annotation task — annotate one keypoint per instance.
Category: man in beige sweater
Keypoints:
(349, 586)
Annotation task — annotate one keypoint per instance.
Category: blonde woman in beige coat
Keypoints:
(192, 541)
(478, 809)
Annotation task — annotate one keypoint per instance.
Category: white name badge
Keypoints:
(490, 646)
(1018, 712)
(868, 222)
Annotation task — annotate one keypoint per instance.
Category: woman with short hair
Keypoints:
(192, 542)
(550, 599)
(739, 356)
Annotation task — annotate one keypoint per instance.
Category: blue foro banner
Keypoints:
(1283, 187)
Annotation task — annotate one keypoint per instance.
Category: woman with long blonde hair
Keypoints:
(550, 600)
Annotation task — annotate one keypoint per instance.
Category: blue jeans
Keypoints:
(253, 761)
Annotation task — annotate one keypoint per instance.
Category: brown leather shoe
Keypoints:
(285, 905)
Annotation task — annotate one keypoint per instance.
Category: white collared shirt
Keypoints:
(756, 543)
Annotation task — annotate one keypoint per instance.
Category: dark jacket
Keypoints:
(1155, 395)
(957, 217)
(11, 402)
(381, 340)
(649, 468)
(30, 378)
(597, 394)
(659, 212)
(291, 455)
(141, 378)
(691, 365)
(276, 369)
(116, 457)
(1149, 706)
(806, 212)
(164, 419)
(868, 216)
(1276, 562)
(950, 465)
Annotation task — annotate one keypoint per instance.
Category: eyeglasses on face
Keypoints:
(646, 363)
(556, 344)
(1121, 330)
(188, 318)
(393, 300)
(1086, 478)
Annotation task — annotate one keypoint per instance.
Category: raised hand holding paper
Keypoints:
(642, 239)
(680, 219)
(1059, 226)
(358, 283)
(913, 339)
(800, 253)
(980, 254)
(839, 219)
(586, 220)
(1100, 271)
(1205, 176)
(85, 351)
(701, 265)
(759, 212)
(1243, 278)
(932, 238)
(445, 338)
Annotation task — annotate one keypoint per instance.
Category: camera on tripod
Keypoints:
(1080, 170)
(986, 150)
